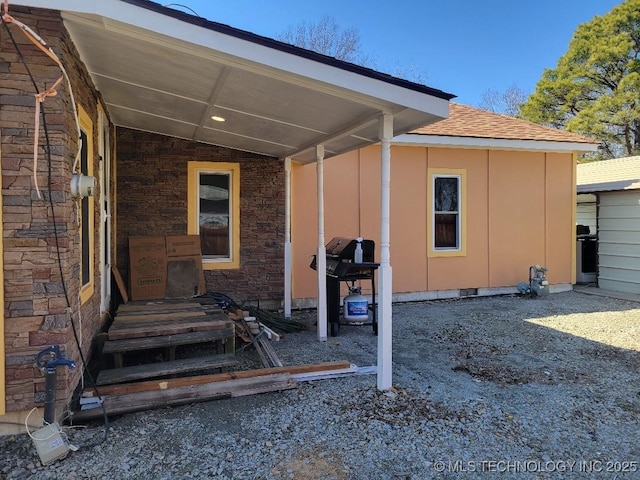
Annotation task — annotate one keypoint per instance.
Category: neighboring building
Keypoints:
(151, 85)
(476, 200)
(609, 197)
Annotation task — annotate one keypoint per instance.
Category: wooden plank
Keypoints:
(135, 344)
(274, 360)
(160, 369)
(150, 330)
(154, 316)
(217, 377)
(263, 357)
(144, 332)
(120, 283)
(271, 335)
(157, 305)
(132, 402)
(162, 323)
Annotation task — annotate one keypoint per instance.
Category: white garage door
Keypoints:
(619, 242)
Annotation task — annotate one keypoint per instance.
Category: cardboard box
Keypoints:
(183, 245)
(147, 268)
(165, 267)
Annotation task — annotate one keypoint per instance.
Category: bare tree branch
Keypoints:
(325, 37)
(506, 103)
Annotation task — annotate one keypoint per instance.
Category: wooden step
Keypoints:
(150, 320)
(159, 305)
(119, 331)
(136, 344)
(161, 369)
(156, 316)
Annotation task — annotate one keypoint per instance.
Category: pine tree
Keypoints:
(595, 88)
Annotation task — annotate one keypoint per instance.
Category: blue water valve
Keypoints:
(51, 357)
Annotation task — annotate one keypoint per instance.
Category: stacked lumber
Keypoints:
(118, 404)
(132, 397)
(255, 333)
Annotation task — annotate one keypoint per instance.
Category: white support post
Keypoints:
(385, 330)
(321, 256)
(287, 238)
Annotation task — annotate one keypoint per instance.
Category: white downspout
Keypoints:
(385, 330)
(287, 238)
(321, 260)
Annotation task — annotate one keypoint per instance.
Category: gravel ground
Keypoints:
(495, 387)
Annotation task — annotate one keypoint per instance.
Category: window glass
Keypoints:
(214, 210)
(84, 209)
(446, 191)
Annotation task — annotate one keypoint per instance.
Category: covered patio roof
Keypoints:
(169, 72)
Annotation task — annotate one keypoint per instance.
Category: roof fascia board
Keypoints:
(494, 143)
(359, 87)
(607, 187)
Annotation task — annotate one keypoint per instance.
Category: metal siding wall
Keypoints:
(619, 242)
(586, 211)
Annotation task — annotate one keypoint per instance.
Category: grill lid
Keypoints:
(344, 249)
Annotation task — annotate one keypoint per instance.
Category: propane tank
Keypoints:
(356, 306)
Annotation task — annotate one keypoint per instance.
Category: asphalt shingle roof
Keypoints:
(465, 121)
(609, 175)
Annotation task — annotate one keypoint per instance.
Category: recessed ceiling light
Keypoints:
(216, 118)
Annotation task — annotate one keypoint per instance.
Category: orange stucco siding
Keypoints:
(370, 175)
(408, 214)
(560, 218)
(304, 228)
(342, 213)
(517, 213)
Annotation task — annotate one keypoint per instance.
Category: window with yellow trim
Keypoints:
(214, 212)
(86, 206)
(447, 211)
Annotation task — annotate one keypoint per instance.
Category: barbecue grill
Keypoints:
(342, 268)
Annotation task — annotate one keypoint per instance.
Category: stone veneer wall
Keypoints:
(152, 200)
(35, 306)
